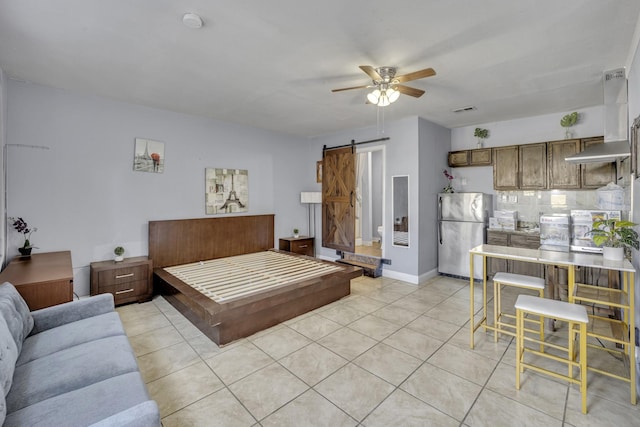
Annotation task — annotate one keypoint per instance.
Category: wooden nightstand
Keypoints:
(128, 280)
(300, 245)
(42, 279)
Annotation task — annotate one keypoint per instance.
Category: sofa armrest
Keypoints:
(142, 415)
(58, 315)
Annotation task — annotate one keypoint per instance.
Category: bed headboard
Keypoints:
(181, 241)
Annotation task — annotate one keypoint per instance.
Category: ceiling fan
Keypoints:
(388, 86)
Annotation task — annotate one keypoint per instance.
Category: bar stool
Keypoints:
(519, 281)
(575, 315)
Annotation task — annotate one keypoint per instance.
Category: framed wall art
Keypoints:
(226, 191)
(148, 156)
(635, 155)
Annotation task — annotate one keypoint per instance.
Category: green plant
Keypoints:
(481, 133)
(295, 231)
(21, 227)
(569, 120)
(614, 233)
(119, 251)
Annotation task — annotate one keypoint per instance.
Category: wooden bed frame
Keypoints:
(176, 242)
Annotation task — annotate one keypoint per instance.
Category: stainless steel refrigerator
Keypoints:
(462, 221)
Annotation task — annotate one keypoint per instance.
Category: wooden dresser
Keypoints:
(128, 280)
(43, 279)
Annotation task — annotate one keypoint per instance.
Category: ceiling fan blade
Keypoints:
(427, 72)
(371, 72)
(349, 88)
(410, 91)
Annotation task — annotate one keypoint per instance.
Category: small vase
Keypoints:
(567, 133)
(118, 258)
(25, 251)
(479, 143)
(613, 254)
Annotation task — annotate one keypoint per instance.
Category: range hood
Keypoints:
(616, 123)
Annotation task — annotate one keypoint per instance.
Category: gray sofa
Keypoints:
(69, 365)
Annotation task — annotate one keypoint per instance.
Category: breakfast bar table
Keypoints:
(621, 298)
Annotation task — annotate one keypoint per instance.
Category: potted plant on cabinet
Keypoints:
(296, 233)
(481, 134)
(614, 236)
(567, 122)
(119, 251)
(21, 227)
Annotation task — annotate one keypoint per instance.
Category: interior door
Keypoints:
(338, 199)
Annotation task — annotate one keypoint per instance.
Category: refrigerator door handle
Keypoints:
(440, 207)
(440, 231)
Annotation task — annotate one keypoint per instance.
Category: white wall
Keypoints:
(434, 145)
(3, 135)
(83, 195)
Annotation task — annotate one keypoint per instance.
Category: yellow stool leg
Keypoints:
(583, 366)
(496, 309)
(541, 326)
(519, 333)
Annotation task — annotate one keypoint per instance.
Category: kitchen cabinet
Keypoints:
(477, 157)
(515, 240)
(533, 166)
(480, 157)
(505, 167)
(458, 158)
(563, 174)
(596, 175)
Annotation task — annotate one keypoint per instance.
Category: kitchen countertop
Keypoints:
(552, 257)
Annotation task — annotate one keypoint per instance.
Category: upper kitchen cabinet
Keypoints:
(505, 168)
(477, 157)
(533, 166)
(596, 175)
(563, 174)
(458, 158)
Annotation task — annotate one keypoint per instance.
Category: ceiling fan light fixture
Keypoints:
(393, 95)
(374, 96)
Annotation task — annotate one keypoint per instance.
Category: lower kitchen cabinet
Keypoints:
(516, 240)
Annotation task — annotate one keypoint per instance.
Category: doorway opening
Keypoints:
(369, 227)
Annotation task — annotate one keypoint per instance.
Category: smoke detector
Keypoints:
(192, 20)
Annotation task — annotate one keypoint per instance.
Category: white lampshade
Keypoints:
(311, 197)
(393, 95)
(374, 96)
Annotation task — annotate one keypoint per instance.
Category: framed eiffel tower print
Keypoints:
(226, 191)
(148, 156)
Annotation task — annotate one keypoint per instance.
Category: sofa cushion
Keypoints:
(90, 404)
(8, 357)
(69, 335)
(16, 313)
(70, 369)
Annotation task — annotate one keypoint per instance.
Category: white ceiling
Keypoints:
(272, 64)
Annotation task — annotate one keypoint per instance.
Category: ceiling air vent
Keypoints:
(464, 109)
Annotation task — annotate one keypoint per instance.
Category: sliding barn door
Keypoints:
(338, 199)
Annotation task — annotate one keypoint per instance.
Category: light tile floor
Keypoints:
(391, 353)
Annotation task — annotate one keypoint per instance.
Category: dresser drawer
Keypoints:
(304, 247)
(122, 275)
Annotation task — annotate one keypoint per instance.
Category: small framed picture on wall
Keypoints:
(148, 156)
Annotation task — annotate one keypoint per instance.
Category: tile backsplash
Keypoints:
(531, 204)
